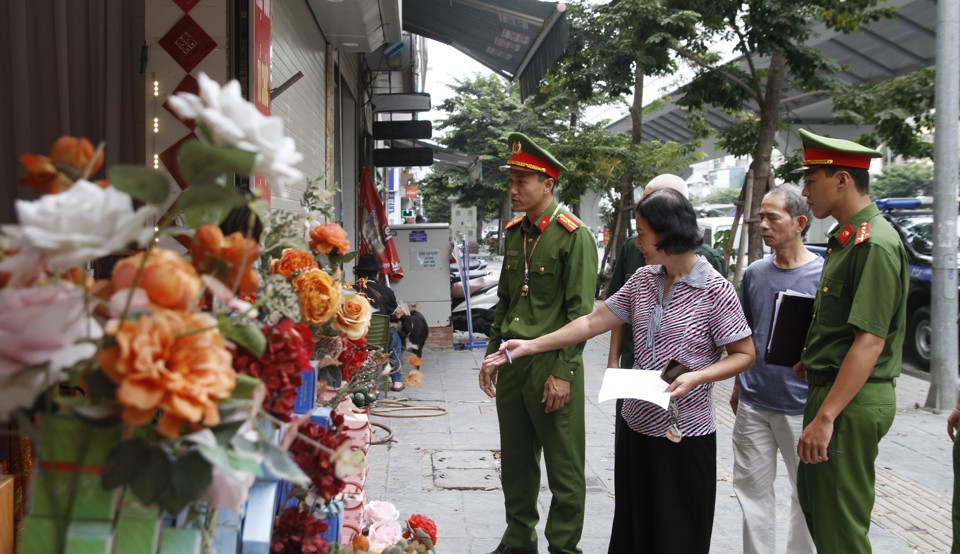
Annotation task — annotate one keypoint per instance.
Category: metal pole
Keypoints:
(943, 363)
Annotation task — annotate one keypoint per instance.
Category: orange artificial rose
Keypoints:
(353, 318)
(168, 279)
(292, 261)
(175, 362)
(67, 162)
(226, 258)
(326, 237)
(319, 295)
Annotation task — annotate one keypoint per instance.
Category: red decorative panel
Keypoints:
(186, 5)
(169, 160)
(188, 84)
(187, 43)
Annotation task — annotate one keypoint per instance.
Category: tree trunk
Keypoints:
(625, 203)
(769, 118)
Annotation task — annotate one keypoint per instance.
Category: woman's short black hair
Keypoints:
(672, 218)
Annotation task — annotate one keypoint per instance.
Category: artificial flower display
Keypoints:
(327, 237)
(150, 382)
(171, 361)
(168, 280)
(71, 159)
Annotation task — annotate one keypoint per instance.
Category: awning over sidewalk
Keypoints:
(518, 39)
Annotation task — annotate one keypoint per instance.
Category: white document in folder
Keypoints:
(634, 383)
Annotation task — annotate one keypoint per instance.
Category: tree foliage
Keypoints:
(903, 180)
(901, 110)
(770, 36)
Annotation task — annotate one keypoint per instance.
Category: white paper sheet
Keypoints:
(634, 383)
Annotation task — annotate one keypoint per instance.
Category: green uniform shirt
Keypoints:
(863, 287)
(563, 279)
(631, 259)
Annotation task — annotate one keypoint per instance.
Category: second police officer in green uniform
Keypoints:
(853, 347)
(548, 279)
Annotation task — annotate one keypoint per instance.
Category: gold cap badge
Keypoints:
(516, 148)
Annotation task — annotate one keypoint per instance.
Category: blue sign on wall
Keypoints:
(418, 236)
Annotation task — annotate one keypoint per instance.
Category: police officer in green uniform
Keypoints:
(853, 347)
(548, 280)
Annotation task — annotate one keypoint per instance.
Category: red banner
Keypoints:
(260, 52)
(375, 233)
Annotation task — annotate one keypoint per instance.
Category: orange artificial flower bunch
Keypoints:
(71, 158)
(327, 237)
(292, 261)
(319, 295)
(168, 279)
(172, 361)
(229, 258)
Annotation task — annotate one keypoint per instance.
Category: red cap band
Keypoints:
(825, 156)
(528, 161)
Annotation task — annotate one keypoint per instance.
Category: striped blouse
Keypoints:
(699, 316)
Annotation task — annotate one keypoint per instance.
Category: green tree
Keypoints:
(903, 180)
(722, 196)
(613, 48)
(770, 35)
(901, 110)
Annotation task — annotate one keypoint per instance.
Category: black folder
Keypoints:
(788, 328)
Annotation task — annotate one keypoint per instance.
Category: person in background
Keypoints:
(620, 352)
(548, 279)
(952, 421)
(853, 349)
(767, 399)
(384, 301)
(679, 310)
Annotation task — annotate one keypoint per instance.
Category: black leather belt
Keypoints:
(824, 378)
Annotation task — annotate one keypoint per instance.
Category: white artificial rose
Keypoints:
(234, 121)
(68, 229)
(380, 511)
(347, 460)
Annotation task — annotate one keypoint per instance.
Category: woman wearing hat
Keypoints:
(382, 299)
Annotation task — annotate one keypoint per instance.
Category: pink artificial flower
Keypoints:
(378, 511)
(228, 490)
(385, 533)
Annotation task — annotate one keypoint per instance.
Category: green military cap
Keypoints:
(527, 155)
(819, 150)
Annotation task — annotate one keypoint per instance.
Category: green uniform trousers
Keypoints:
(525, 432)
(956, 497)
(837, 495)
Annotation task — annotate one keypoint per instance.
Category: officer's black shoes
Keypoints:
(504, 549)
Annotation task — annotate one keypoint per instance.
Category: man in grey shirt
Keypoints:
(768, 399)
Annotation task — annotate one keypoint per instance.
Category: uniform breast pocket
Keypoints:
(544, 275)
(834, 306)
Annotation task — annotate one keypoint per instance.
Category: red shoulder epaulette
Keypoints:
(863, 233)
(569, 222)
(513, 222)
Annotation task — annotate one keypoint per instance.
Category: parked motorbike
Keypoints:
(483, 297)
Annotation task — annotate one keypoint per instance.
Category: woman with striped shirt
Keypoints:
(680, 310)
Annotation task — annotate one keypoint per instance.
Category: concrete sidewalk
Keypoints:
(447, 467)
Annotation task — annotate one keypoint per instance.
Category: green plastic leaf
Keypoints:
(226, 431)
(246, 387)
(282, 466)
(202, 163)
(153, 477)
(208, 197)
(124, 462)
(231, 461)
(244, 334)
(192, 475)
(140, 182)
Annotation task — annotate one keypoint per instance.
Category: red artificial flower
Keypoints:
(420, 522)
(353, 357)
(316, 463)
(287, 356)
(298, 531)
